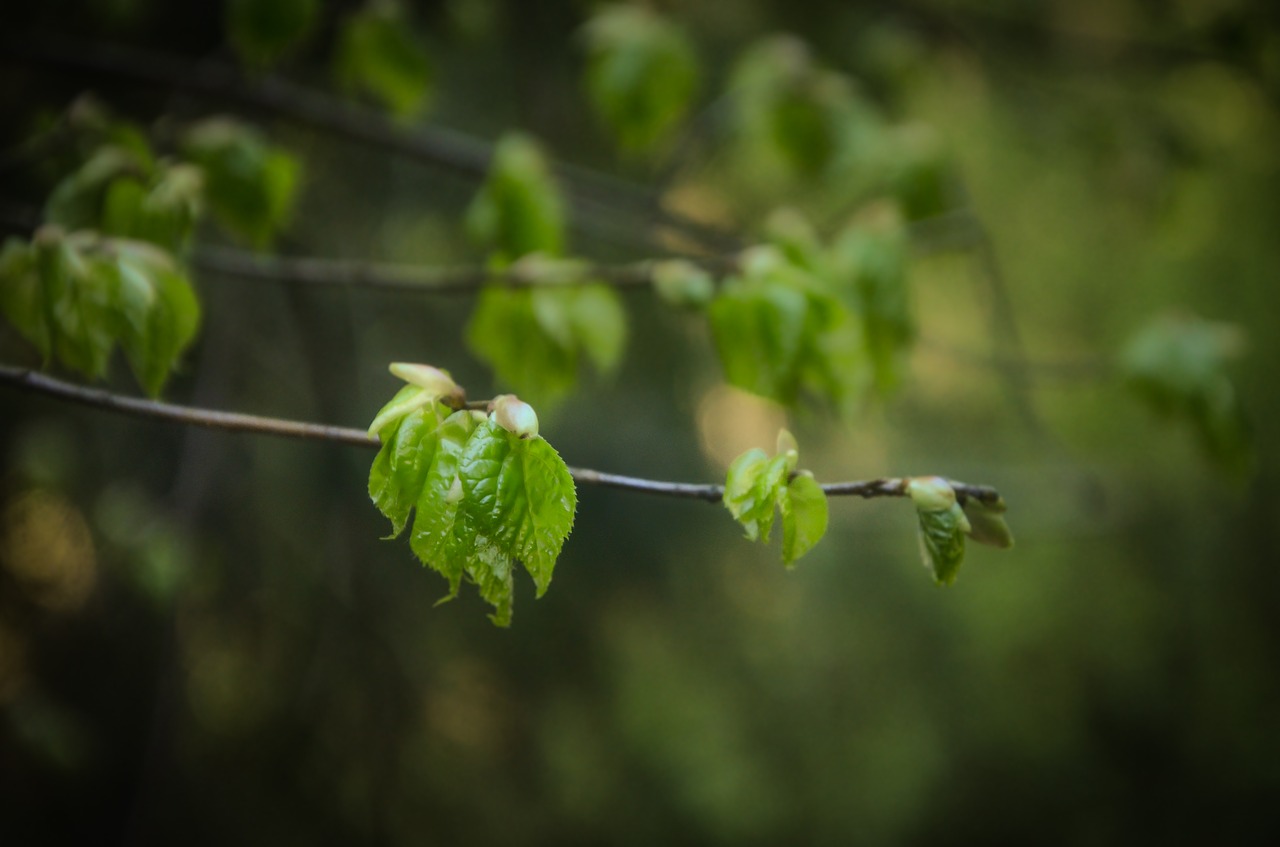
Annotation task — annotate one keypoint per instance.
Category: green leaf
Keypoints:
(155, 309)
(22, 295)
(519, 497)
(250, 185)
(597, 322)
(804, 517)
(987, 524)
(1178, 366)
(264, 30)
(872, 266)
(802, 114)
(400, 469)
(79, 200)
(162, 212)
(641, 74)
(943, 526)
(534, 339)
(76, 297)
(482, 496)
(506, 334)
(756, 485)
(779, 335)
(439, 539)
(519, 209)
(378, 55)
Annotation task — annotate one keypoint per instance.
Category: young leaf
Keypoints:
(519, 497)
(439, 539)
(987, 524)
(756, 485)
(751, 491)
(872, 264)
(75, 296)
(943, 526)
(407, 427)
(505, 332)
(249, 184)
(485, 492)
(785, 104)
(535, 338)
(641, 74)
(804, 517)
(378, 55)
(22, 295)
(155, 309)
(519, 209)
(780, 335)
(162, 211)
(263, 30)
(1178, 366)
(400, 469)
(79, 200)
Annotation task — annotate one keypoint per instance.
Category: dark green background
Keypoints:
(221, 651)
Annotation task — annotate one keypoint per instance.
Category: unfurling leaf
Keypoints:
(379, 55)
(756, 485)
(486, 492)
(987, 524)
(1178, 366)
(249, 184)
(641, 74)
(804, 517)
(943, 526)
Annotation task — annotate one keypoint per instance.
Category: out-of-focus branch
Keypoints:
(594, 194)
(420, 278)
(237, 422)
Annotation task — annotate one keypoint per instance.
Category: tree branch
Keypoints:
(406, 277)
(595, 193)
(39, 383)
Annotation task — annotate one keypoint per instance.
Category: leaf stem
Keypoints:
(98, 398)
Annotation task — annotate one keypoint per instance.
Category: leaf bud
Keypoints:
(931, 493)
(437, 382)
(788, 447)
(515, 415)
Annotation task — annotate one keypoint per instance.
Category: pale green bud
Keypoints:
(437, 382)
(515, 415)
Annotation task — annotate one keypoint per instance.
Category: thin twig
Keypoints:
(421, 278)
(236, 422)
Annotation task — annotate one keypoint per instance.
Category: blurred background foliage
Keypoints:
(203, 641)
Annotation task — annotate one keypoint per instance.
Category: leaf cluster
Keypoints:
(757, 485)
(804, 320)
(535, 337)
(945, 522)
(76, 296)
(484, 498)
